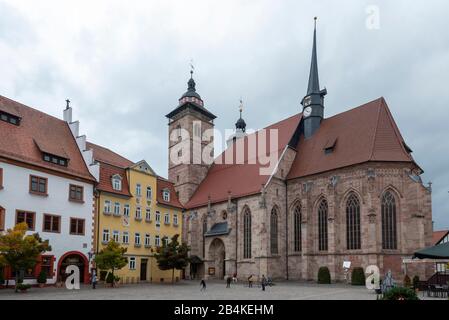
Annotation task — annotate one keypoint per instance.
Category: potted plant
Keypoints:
(42, 279)
(358, 277)
(23, 287)
(400, 293)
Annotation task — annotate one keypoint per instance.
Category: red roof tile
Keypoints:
(36, 133)
(241, 179)
(366, 133)
(103, 154)
(437, 236)
(163, 184)
(105, 183)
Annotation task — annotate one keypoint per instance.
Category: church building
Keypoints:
(344, 188)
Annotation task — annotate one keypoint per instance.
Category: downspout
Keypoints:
(286, 228)
(236, 232)
(98, 221)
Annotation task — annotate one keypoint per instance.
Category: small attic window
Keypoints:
(55, 159)
(117, 182)
(166, 195)
(329, 147)
(15, 120)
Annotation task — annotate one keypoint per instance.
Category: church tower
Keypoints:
(190, 137)
(313, 102)
(240, 128)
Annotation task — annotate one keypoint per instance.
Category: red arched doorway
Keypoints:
(74, 258)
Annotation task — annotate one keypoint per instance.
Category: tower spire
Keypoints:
(314, 82)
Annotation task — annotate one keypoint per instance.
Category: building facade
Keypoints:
(45, 182)
(137, 209)
(344, 188)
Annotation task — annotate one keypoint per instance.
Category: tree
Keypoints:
(21, 251)
(172, 256)
(111, 258)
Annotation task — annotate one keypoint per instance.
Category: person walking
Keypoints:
(94, 279)
(264, 282)
(228, 282)
(203, 285)
(250, 281)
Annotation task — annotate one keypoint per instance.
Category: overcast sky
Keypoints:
(124, 64)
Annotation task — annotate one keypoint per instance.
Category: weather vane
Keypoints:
(192, 68)
(241, 106)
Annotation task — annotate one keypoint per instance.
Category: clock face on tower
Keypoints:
(307, 101)
(307, 112)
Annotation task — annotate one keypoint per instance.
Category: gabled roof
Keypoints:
(107, 171)
(437, 236)
(105, 155)
(366, 133)
(143, 166)
(241, 179)
(39, 133)
(163, 184)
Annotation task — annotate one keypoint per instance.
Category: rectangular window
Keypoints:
(2, 219)
(38, 185)
(166, 195)
(132, 263)
(125, 237)
(157, 241)
(137, 239)
(158, 218)
(116, 236)
(51, 223)
(126, 210)
(9, 118)
(175, 219)
(105, 235)
(117, 209)
(148, 214)
(107, 207)
(76, 193)
(26, 216)
(1, 178)
(77, 226)
(147, 240)
(149, 193)
(138, 190)
(47, 265)
(55, 159)
(138, 213)
(167, 218)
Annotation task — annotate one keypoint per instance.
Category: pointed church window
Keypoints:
(247, 235)
(297, 229)
(322, 225)
(353, 239)
(389, 228)
(274, 232)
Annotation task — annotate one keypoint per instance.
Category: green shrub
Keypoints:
(23, 287)
(110, 278)
(400, 293)
(358, 277)
(2, 278)
(42, 278)
(103, 274)
(324, 276)
(407, 282)
(416, 282)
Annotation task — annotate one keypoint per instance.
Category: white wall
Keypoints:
(15, 196)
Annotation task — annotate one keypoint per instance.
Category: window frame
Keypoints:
(353, 222)
(137, 237)
(166, 195)
(2, 218)
(389, 221)
(147, 237)
(138, 216)
(25, 220)
(297, 232)
(52, 216)
(175, 219)
(38, 193)
(117, 179)
(132, 263)
(323, 228)
(149, 193)
(76, 192)
(117, 208)
(274, 232)
(126, 209)
(167, 219)
(125, 233)
(108, 211)
(1, 178)
(138, 190)
(114, 234)
(105, 234)
(77, 226)
(247, 234)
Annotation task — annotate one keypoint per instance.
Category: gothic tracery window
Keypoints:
(389, 228)
(322, 225)
(274, 231)
(353, 240)
(247, 234)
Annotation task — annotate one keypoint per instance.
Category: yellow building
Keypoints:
(137, 209)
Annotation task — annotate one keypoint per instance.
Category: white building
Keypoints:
(44, 181)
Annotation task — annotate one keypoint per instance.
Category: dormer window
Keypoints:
(330, 146)
(117, 182)
(166, 195)
(12, 119)
(60, 161)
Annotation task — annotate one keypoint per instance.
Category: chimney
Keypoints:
(67, 114)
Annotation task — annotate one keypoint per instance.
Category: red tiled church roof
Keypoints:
(163, 184)
(105, 155)
(366, 133)
(39, 132)
(241, 179)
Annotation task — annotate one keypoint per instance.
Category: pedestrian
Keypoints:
(234, 277)
(203, 285)
(94, 279)
(264, 282)
(250, 281)
(228, 282)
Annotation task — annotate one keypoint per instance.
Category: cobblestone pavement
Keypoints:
(190, 290)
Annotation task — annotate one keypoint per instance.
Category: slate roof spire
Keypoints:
(240, 124)
(314, 82)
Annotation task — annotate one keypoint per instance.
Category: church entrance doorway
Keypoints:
(217, 254)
